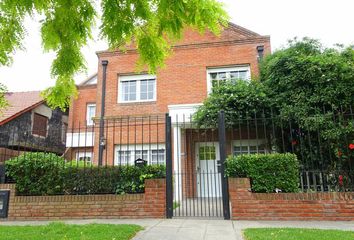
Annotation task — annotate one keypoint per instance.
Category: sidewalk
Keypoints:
(195, 229)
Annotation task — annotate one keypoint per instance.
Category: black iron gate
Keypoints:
(196, 184)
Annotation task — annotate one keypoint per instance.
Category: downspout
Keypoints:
(102, 140)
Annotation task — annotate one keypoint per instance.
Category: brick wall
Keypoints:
(78, 107)
(182, 81)
(151, 204)
(246, 205)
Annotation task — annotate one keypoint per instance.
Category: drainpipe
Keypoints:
(102, 140)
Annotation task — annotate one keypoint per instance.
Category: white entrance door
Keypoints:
(208, 172)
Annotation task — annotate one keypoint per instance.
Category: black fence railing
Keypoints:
(133, 150)
(325, 151)
(334, 181)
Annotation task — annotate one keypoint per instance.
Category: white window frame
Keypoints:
(138, 147)
(226, 69)
(248, 143)
(84, 154)
(138, 79)
(89, 121)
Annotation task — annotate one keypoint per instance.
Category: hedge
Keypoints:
(267, 172)
(48, 174)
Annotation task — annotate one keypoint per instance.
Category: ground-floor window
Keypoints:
(127, 154)
(248, 146)
(84, 156)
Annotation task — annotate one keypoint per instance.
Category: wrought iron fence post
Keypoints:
(224, 179)
(2, 173)
(169, 180)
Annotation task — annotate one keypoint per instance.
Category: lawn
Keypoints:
(61, 231)
(296, 234)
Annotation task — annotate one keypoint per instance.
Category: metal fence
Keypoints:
(87, 160)
(330, 181)
(327, 161)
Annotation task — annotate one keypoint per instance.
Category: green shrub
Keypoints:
(118, 179)
(36, 173)
(266, 171)
(48, 174)
(80, 163)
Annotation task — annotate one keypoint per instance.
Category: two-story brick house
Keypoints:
(179, 88)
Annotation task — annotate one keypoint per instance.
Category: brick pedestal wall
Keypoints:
(246, 205)
(151, 204)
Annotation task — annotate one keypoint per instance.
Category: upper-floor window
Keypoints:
(40, 125)
(137, 88)
(90, 113)
(218, 75)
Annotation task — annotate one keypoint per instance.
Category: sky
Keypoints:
(327, 20)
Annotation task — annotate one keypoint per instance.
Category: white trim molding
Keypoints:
(182, 112)
(84, 139)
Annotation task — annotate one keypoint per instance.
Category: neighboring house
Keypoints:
(28, 124)
(196, 64)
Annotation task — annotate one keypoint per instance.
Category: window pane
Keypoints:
(143, 96)
(91, 110)
(213, 76)
(221, 75)
(143, 85)
(150, 95)
(207, 153)
(158, 156)
(242, 75)
(132, 96)
(147, 89)
(142, 154)
(151, 86)
(123, 157)
(234, 75)
(129, 90)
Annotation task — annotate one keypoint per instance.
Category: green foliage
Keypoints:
(67, 24)
(313, 87)
(36, 173)
(118, 180)
(61, 231)
(305, 86)
(296, 234)
(307, 82)
(48, 174)
(3, 101)
(266, 171)
(239, 99)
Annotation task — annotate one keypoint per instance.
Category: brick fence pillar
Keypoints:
(155, 197)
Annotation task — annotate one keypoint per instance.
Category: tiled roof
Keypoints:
(19, 102)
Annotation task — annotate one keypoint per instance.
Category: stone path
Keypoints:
(196, 229)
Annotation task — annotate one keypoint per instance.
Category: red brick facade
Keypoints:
(246, 205)
(183, 80)
(78, 107)
(151, 204)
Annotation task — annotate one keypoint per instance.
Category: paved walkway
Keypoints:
(196, 229)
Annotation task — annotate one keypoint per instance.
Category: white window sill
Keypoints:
(139, 102)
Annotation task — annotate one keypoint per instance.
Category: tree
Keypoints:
(312, 87)
(305, 87)
(153, 26)
(239, 99)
